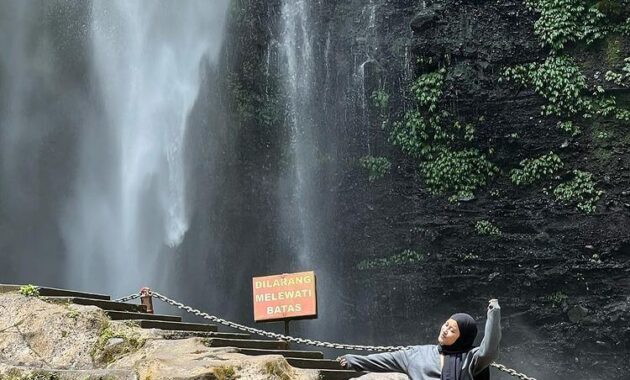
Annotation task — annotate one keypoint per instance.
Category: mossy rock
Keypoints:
(225, 373)
(615, 10)
(613, 50)
(16, 374)
(113, 342)
(279, 369)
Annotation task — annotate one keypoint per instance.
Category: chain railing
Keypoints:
(291, 339)
(512, 372)
(130, 297)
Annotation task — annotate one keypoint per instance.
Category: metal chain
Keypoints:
(128, 298)
(512, 372)
(317, 343)
(268, 334)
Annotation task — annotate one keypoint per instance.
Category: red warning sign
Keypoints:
(285, 296)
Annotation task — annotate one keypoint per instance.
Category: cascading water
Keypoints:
(359, 78)
(299, 202)
(308, 189)
(368, 18)
(307, 200)
(147, 59)
(125, 205)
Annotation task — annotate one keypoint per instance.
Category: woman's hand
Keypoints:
(342, 361)
(493, 304)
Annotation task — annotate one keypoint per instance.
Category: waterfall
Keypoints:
(307, 189)
(147, 59)
(367, 50)
(137, 67)
(299, 202)
(362, 102)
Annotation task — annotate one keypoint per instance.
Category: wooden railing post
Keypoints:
(146, 299)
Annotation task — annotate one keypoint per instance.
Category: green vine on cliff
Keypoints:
(580, 190)
(249, 105)
(449, 164)
(427, 89)
(559, 80)
(376, 167)
(458, 171)
(564, 21)
(620, 78)
(485, 227)
(406, 257)
(380, 100)
(535, 169)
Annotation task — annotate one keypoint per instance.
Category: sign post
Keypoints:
(285, 297)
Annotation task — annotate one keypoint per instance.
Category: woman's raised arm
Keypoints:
(489, 347)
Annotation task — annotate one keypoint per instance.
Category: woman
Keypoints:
(453, 358)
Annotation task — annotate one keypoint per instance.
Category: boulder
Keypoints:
(46, 340)
(577, 313)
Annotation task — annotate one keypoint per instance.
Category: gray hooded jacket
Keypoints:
(423, 362)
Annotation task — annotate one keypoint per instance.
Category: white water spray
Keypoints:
(297, 51)
(129, 205)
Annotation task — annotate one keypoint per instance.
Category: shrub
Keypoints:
(580, 190)
(440, 143)
(556, 298)
(564, 21)
(533, 170)
(380, 99)
(485, 227)
(459, 172)
(224, 373)
(569, 127)
(558, 79)
(377, 167)
(622, 78)
(407, 256)
(427, 89)
(29, 290)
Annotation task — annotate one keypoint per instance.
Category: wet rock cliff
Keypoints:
(408, 255)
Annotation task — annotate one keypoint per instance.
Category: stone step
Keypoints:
(285, 353)
(54, 292)
(175, 326)
(174, 335)
(314, 363)
(248, 343)
(105, 305)
(124, 315)
(331, 374)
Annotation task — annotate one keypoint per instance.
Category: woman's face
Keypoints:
(448, 333)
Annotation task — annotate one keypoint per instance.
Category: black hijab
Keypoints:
(453, 354)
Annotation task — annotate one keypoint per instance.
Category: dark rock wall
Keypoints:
(565, 310)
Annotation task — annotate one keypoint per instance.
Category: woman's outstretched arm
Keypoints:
(489, 347)
(386, 362)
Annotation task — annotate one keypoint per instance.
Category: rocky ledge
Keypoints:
(42, 340)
